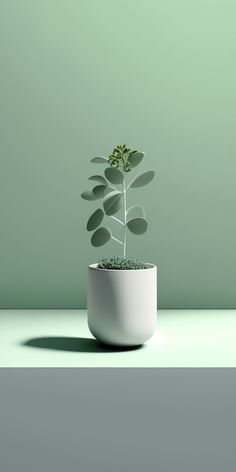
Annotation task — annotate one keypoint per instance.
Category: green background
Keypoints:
(78, 77)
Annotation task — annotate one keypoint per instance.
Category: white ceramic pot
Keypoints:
(122, 305)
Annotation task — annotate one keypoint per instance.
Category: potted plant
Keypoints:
(121, 292)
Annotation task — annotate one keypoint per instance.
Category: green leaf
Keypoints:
(135, 158)
(88, 195)
(95, 219)
(114, 175)
(100, 237)
(99, 160)
(137, 225)
(99, 190)
(112, 202)
(135, 211)
(142, 179)
(98, 178)
(109, 189)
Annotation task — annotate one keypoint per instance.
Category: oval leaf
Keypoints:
(99, 190)
(100, 237)
(98, 178)
(137, 225)
(95, 219)
(112, 202)
(135, 211)
(142, 179)
(88, 195)
(99, 160)
(114, 175)
(135, 158)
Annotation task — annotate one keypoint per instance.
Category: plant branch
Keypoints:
(117, 240)
(117, 219)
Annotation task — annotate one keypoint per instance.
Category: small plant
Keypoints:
(118, 263)
(112, 188)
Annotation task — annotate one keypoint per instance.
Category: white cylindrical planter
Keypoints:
(122, 305)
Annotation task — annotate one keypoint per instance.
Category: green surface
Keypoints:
(50, 338)
(79, 77)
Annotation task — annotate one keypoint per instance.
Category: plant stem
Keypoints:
(117, 240)
(117, 219)
(125, 204)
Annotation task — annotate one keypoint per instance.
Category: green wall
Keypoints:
(78, 77)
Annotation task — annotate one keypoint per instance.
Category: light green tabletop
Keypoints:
(60, 338)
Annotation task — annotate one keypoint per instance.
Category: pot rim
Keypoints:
(149, 267)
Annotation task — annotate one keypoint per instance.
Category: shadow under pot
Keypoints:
(122, 305)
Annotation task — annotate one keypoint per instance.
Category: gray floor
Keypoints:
(114, 420)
